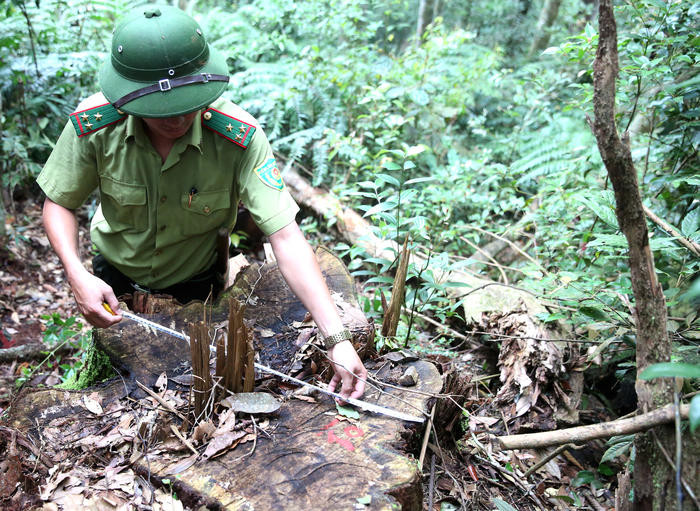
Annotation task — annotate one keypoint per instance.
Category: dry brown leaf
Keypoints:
(252, 402)
(161, 383)
(182, 465)
(203, 431)
(220, 444)
(92, 405)
(166, 502)
(227, 421)
(308, 399)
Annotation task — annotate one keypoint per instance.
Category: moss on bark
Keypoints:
(97, 368)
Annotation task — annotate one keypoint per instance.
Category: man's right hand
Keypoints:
(90, 294)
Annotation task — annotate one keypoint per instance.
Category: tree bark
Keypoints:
(590, 432)
(653, 479)
(426, 9)
(2, 215)
(548, 16)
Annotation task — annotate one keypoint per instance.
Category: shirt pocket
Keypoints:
(124, 205)
(205, 211)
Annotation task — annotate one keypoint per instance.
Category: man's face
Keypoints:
(170, 128)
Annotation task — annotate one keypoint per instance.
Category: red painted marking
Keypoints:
(350, 431)
(353, 432)
(329, 425)
(347, 444)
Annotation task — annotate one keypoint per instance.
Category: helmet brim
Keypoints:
(176, 101)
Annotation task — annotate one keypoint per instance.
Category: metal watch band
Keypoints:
(333, 339)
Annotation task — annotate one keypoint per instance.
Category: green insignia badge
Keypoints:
(95, 118)
(270, 174)
(235, 130)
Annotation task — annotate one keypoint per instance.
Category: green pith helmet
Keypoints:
(161, 65)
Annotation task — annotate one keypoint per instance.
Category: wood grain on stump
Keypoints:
(309, 457)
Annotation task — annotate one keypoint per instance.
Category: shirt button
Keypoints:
(162, 227)
(158, 252)
(206, 209)
(163, 199)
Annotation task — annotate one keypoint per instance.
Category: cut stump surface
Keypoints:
(304, 457)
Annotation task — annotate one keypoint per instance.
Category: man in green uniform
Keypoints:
(171, 160)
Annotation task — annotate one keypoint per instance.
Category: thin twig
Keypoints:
(556, 452)
(488, 256)
(431, 483)
(182, 439)
(160, 400)
(690, 245)
(580, 434)
(426, 436)
(427, 319)
(679, 445)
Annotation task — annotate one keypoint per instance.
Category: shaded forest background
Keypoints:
(450, 123)
(459, 125)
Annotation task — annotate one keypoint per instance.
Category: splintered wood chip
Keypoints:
(252, 402)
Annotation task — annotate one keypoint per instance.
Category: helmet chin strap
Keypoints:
(167, 84)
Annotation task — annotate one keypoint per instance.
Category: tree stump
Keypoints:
(308, 457)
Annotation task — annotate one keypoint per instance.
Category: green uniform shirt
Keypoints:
(157, 222)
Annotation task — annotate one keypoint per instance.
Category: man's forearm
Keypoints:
(299, 267)
(61, 227)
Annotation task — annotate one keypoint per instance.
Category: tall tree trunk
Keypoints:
(426, 8)
(548, 16)
(653, 477)
(2, 215)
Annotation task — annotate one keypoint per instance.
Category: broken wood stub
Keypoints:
(235, 359)
(392, 312)
(202, 387)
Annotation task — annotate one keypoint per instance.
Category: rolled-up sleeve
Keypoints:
(262, 189)
(70, 173)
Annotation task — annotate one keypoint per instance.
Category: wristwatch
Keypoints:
(331, 340)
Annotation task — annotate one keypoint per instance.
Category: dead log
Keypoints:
(303, 457)
(31, 352)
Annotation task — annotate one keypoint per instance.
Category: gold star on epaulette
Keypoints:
(92, 119)
(235, 130)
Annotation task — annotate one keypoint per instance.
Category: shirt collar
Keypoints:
(135, 130)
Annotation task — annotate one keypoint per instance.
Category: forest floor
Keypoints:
(460, 470)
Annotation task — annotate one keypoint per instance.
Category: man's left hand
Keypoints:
(349, 371)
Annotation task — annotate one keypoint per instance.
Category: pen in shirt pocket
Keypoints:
(193, 192)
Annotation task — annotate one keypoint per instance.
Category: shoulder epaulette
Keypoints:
(95, 118)
(237, 131)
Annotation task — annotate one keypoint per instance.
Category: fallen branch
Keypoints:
(31, 352)
(582, 434)
(690, 245)
(357, 231)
